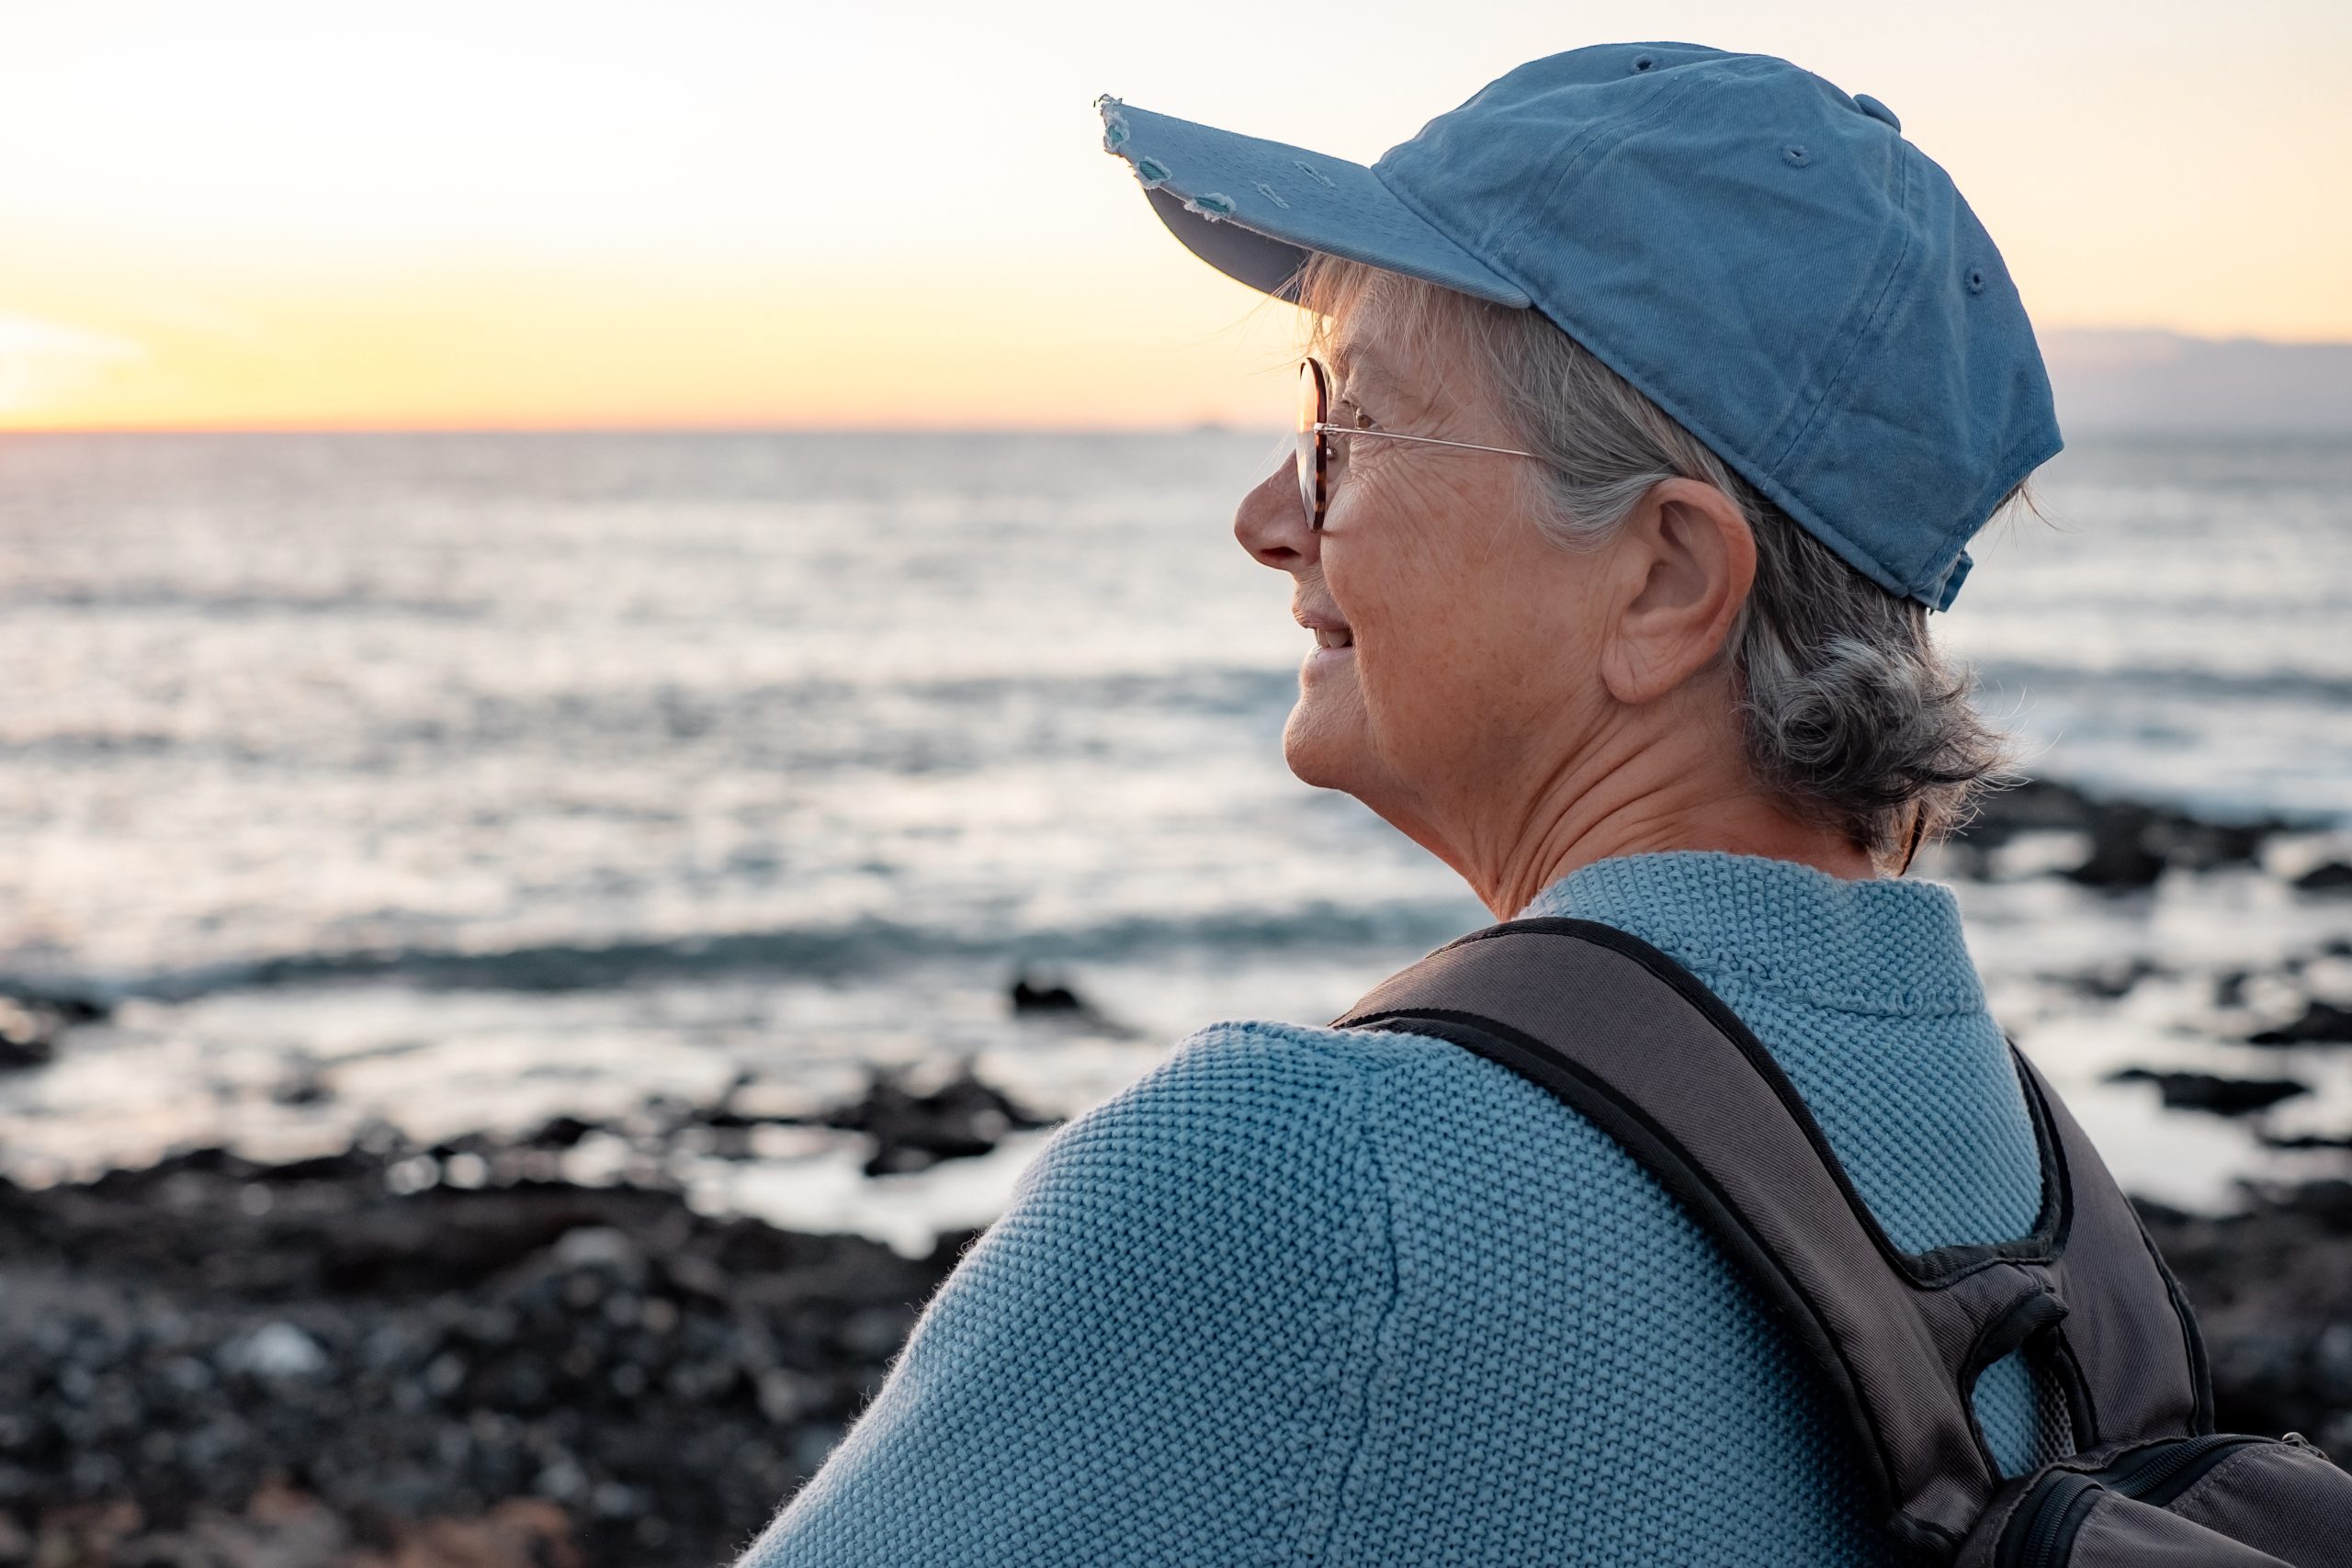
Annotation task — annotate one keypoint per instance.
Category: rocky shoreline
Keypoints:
(216, 1362)
(2272, 1287)
(212, 1361)
(455, 1356)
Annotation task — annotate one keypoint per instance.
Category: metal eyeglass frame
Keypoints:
(1314, 429)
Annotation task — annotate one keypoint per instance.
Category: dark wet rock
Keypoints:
(33, 1023)
(912, 1132)
(2123, 855)
(1050, 1001)
(562, 1133)
(723, 1117)
(73, 1008)
(2273, 1292)
(2034, 805)
(2132, 842)
(2331, 876)
(1045, 996)
(2207, 1092)
(192, 1355)
(29, 1033)
(2306, 1140)
(2195, 844)
(2322, 1023)
(2114, 980)
(303, 1088)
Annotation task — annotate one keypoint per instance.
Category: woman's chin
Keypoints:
(1323, 741)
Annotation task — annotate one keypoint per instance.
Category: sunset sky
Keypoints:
(509, 213)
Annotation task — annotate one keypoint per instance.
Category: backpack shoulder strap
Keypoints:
(1638, 1044)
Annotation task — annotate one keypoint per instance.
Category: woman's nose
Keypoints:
(1271, 522)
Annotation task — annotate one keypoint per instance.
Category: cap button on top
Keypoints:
(1877, 110)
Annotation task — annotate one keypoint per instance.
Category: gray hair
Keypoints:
(1848, 712)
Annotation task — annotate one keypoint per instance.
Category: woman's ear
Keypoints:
(1686, 559)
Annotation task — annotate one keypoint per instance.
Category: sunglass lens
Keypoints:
(1312, 410)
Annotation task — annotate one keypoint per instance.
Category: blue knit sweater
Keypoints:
(1305, 1296)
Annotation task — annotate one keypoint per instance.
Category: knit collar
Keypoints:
(1884, 946)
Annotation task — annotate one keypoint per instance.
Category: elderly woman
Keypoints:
(1655, 392)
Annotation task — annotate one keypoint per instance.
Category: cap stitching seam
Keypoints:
(1506, 245)
(1662, 98)
(1413, 205)
(1861, 334)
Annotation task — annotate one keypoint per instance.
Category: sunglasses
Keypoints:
(1315, 430)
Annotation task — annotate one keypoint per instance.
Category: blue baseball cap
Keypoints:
(1762, 255)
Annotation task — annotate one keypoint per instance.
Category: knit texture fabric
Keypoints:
(1313, 1296)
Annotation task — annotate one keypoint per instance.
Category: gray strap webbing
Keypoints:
(1628, 1038)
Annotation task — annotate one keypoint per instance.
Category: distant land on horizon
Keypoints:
(2113, 380)
(2105, 379)
(2121, 380)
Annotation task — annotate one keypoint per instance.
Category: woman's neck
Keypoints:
(1647, 788)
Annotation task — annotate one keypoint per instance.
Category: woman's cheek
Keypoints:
(1401, 706)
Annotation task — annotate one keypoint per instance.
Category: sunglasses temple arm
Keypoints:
(1420, 440)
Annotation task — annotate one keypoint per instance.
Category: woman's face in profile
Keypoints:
(1448, 624)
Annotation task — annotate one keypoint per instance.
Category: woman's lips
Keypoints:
(1335, 640)
(1327, 630)
(1335, 643)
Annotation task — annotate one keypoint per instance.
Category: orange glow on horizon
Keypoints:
(494, 347)
(273, 216)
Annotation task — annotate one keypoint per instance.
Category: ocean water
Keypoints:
(457, 780)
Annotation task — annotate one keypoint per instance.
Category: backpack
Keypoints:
(1626, 1036)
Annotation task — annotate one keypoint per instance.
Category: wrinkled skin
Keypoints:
(1516, 708)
